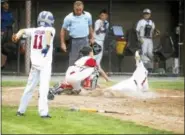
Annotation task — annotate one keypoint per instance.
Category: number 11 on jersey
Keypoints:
(37, 44)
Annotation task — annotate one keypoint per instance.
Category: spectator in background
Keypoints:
(7, 22)
(100, 29)
(145, 30)
(79, 25)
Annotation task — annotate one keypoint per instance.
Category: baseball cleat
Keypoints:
(19, 114)
(47, 116)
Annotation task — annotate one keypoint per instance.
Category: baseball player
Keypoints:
(145, 29)
(81, 69)
(100, 29)
(137, 82)
(41, 60)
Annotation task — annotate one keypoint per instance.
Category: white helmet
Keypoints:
(147, 11)
(45, 18)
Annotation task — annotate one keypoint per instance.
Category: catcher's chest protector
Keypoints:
(147, 30)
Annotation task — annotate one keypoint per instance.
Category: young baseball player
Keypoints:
(100, 30)
(145, 30)
(137, 82)
(81, 69)
(41, 60)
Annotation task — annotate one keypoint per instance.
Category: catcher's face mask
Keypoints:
(96, 48)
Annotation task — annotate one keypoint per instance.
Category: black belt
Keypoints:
(78, 37)
(147, 37)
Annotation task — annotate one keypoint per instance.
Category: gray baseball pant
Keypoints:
(76, 45)
(147, 49)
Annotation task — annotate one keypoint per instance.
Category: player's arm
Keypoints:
(138, 28)
(91, 31)
(103, 74)
(48, 35)
(18, 35)
(63, 32)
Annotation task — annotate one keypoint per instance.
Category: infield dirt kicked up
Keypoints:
(166, 111)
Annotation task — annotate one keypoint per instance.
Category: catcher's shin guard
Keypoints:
(56, 90)
(51, 95)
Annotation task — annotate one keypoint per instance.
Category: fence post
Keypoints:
(109, 49)
(28, 25)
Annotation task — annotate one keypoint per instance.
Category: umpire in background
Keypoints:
(79, 25)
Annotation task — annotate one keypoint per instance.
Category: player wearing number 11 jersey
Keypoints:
(41, 60)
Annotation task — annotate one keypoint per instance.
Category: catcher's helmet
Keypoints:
(45, 18)
(96, 48)
(85, 50)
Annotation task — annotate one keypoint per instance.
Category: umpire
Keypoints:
(79, 25)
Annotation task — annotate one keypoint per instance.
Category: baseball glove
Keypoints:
(157, 32)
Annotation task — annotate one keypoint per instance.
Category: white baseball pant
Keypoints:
(78, 76)
(35, 76)
(147, 49)
(137, 82)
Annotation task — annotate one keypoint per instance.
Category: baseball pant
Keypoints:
(75, 75)
(98, 57)
(35, 76)
(147, 49)
(76, 45)
(137, 82)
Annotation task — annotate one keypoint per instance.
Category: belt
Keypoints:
(78, 37)
(147, 37)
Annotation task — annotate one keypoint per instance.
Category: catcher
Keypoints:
(82, 74)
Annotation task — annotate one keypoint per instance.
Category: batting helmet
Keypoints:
(96, 48)
(45, 18)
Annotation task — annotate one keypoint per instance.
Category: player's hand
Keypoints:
(14, 38)
(109, 80)
(45, 51)
(63, 47)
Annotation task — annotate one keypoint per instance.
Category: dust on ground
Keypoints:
(162, 112)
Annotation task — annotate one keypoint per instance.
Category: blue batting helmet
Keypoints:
(45, 18)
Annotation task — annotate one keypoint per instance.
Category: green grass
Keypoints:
(64, 121)
(17, 83)
(170, 85)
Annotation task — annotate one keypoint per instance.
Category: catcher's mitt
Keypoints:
(157, 32)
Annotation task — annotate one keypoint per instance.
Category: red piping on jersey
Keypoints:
(143, 81)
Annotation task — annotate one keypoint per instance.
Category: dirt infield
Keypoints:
(164, 112)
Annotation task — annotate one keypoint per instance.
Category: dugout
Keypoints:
(126, 13)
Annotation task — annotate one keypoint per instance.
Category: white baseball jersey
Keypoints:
(38, 42)
(99, 25)
(141, 27)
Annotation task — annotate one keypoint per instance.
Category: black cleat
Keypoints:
(47, 116)
(19, 114)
